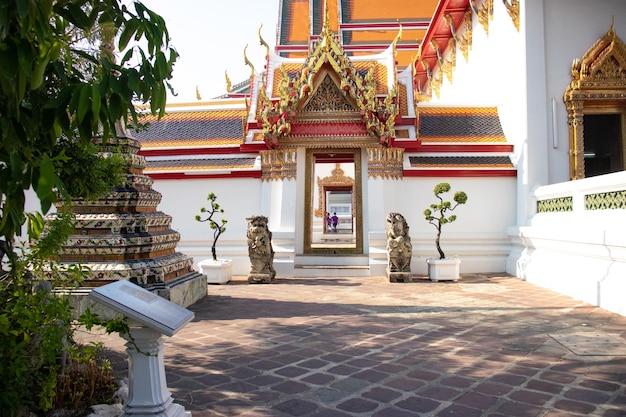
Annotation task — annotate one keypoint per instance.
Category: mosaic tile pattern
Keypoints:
(194, 128)
(460, 161)
(555, 205)
(460, 124)
(227, 162)
(606, 201)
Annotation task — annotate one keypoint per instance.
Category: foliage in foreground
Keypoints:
(86, 380)
(60, 87)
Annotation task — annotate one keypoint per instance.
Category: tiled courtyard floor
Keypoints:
(488, 345)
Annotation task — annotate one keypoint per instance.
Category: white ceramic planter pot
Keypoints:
(443, 269)
(217, 272)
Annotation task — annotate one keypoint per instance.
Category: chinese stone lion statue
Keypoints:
(399, 248)
(260, 250)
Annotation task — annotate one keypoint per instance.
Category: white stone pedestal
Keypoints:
(148, 395)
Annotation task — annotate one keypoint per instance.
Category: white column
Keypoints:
(148, 395)
(533, 164)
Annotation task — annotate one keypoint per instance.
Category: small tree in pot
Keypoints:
(437, 215)
(217, 228)
(217, 271)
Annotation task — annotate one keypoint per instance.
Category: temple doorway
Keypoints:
(333, 192)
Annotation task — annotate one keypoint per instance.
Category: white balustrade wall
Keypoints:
(575, 243)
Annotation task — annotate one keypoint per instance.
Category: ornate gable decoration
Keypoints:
(327, 54)
(603, 66)
(328, 98)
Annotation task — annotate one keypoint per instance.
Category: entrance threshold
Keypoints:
(332, 265)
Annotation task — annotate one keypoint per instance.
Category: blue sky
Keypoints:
(210, 36)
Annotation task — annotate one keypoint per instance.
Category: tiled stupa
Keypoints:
(124, 237)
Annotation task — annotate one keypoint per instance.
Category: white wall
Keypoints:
(478, 236)
(240, 198)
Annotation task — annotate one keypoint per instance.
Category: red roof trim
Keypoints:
(440, 31)
(253, 147)
(381, 25)
(185, 176)
(405, 121)
(417, 146)
(187, 151)
(350, 48)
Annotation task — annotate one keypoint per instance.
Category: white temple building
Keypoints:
(520, 104)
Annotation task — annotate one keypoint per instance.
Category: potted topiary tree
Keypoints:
(217, 270)
(443, 268)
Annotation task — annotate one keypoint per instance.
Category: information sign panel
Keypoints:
(142, 306)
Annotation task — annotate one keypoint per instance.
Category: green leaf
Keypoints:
(78, 17)
(41, 64)
(8, 57)
(47, 177)
(127, 33)
(95, 103)
(23, 8)
(160, 66)
(35, 224)
(133, 79)
(83, 103)
(115, 109)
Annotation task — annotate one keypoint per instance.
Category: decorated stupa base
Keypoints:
(122, 236)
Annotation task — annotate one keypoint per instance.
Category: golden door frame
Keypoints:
(598, 86)
(309, 208)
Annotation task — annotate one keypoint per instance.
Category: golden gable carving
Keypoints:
(598, 79)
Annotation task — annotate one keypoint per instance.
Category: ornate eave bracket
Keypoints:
(446, 60)
(512, 9)
(598, 77)
(278, 164)
(385, 163)
(484, 13)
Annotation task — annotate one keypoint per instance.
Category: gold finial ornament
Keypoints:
(198, 97)
(247, 61)
(229, 85)
(263, 43)
(397, 39)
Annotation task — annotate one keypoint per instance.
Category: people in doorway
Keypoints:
(329, 222)
(335, 221)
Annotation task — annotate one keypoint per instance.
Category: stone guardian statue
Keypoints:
(260, 251)
(399, 249)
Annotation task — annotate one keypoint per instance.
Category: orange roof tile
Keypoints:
(196, 115)
(390, 10)
(404, 110)
(297, 23)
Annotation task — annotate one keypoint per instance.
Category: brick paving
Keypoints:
(486, 346)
